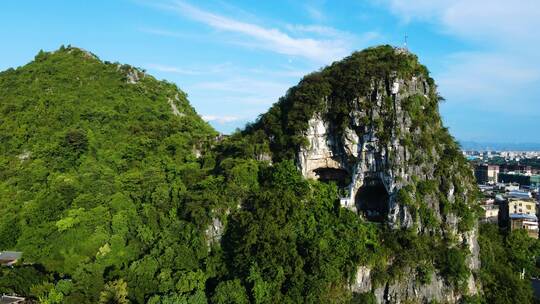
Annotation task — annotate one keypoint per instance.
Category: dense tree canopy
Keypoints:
(504, 257)
(116, 191)
(100, 184)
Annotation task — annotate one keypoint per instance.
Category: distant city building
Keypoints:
(486, 173)
(491, 213)
(510, 187)
(518, 213)
(522, 206)
(499, 198)
(486, 188)
(515, 168)
(528, 180)
(519, 194)
(525, 221)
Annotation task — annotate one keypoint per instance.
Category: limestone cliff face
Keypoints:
(372, 172)
(406, 289)
(358, 154)
(374, 129)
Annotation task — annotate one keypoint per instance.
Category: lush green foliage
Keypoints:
(337, 86)
(112, 197)
(101, 188)
(290, 243)
(99, 181)
(503, 257)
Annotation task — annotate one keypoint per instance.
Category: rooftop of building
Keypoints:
(489, 207)
(521, 199)
(519, 194)
(520, 216)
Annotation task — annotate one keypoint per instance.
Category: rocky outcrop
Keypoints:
(362, 282)
(389, 147)
(24, 155)
(361, 155)
(370, 124)
(133, 76)
(213, 232)
(174, 107)
(409, 290)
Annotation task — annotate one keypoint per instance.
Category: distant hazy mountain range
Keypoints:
(490, 146)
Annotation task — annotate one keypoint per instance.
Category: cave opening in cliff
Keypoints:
(341, 177)
(372, 199)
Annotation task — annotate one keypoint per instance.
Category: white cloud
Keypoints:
(505, 68)
(488, 79)
(315, 13)
(497, 20)
(334, 34)
(220, 119)
(242, 85)
(198, 71)
(272, 39)
(490, 21)
(243, 98)
(316, 29)
(171, 69)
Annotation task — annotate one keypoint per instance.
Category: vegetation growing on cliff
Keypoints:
(102, 189)
(504, 256)
(99, 182)
(112, 196)
(439, 190)
(334, 89)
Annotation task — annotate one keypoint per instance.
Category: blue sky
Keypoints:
(236, 58)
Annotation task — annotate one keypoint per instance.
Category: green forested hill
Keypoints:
(111, 197)
(98, 175)
(116, 191)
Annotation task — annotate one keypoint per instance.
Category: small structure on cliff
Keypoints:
(8, 258)
(7, 299)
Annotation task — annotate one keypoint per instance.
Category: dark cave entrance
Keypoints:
(341, 177)
(372, 199)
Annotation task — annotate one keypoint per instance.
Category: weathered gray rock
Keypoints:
(362, 282)
(132, 76)
(408, 290)
(359, 153)
(371, 165)
(174, 108)
(214, 232)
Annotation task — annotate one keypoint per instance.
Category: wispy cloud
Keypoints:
(315, 13)
(220, 119)
(321, 30)
(199, 71)
(243, 85)
(165, 33)
(503, 32)
(171, 69)
(240, 91)
(493, 21)
(272, 39)
(488, 79)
